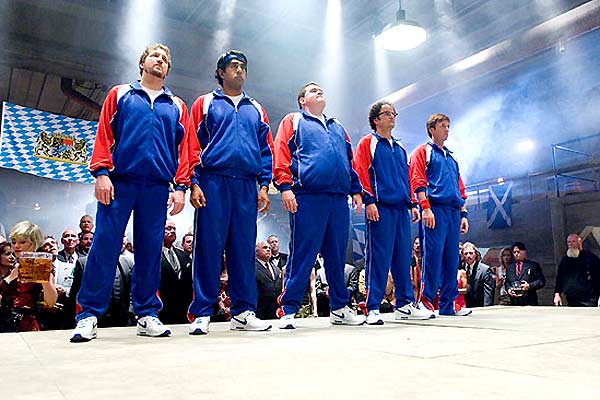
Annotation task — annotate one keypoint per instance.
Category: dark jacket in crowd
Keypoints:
(481, 286)
(579, 279)
(268, 291)
(175, 290)
(119, 310)
(531, 272)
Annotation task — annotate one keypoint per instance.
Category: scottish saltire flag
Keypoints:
(359, 230)
(47, 145)
(499, 207)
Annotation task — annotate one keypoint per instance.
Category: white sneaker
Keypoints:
(409, 311)
(287, 322)
(463, 312)
(460, 311)
(199, 326)
(247, 321)
(374, 318)
(85, 330)
(345, 316)
(151, 326)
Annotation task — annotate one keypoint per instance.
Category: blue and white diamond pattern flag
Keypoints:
(47, 145)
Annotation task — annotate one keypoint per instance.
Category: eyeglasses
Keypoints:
(388, 114)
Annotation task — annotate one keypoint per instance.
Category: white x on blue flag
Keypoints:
(499, 207)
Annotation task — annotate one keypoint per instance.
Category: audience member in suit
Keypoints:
(69, 240)
(279, 258)
(62, 315)
(523, 278)
(187, 243)
(480, 280)
(268, 282)
(120, 310)
(578, 276)
(86, 224)
(85, 243)
(175, 290)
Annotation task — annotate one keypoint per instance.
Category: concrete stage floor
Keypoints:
(496, 353)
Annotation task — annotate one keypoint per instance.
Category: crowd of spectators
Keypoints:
(513, 279)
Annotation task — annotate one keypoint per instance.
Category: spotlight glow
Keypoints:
(526, 145)
(400, 37)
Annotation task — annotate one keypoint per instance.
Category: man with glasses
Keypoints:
(313, 171)
(436, 181)
(382, 166)
(230, 152)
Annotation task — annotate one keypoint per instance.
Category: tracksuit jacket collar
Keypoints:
(138, 86)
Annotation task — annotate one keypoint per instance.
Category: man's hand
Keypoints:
(177, 201)
(263, 199)
(428, 218)
(288, 198)
(511, 293)
(357, 203)
(525, 285)
(464, 225)
(105, 191)
(371, 212)
(557, 299)
(197, 198)
(415, 216)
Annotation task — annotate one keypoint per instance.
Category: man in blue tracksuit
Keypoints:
(313, 171)
(382, 166)
(436, 181)
(230, 151)
(140, 148)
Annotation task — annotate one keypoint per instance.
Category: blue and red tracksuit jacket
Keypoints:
(229, 140)
(140, 141)
(382, 167)
(435, 171)
(313, 157)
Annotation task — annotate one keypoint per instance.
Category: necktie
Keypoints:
(519, 267)
(173, 261)
(271, 269)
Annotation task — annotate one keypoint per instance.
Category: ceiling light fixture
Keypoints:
(401, 35)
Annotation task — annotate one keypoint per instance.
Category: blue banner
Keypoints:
(499, 207)
(47, 145)
(359, 230)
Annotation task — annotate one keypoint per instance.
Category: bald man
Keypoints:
(578, 276)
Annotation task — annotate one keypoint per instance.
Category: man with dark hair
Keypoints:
(230, 152)
(436, 181)
(85, 243)
(578, 276)
(382, 166)
(317, 202)
(187, 243)
(140, 150)
(523, 278)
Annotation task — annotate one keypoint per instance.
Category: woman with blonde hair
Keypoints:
(19, 304)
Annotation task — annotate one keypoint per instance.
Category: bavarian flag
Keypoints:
(47, 145)
(499, 206)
